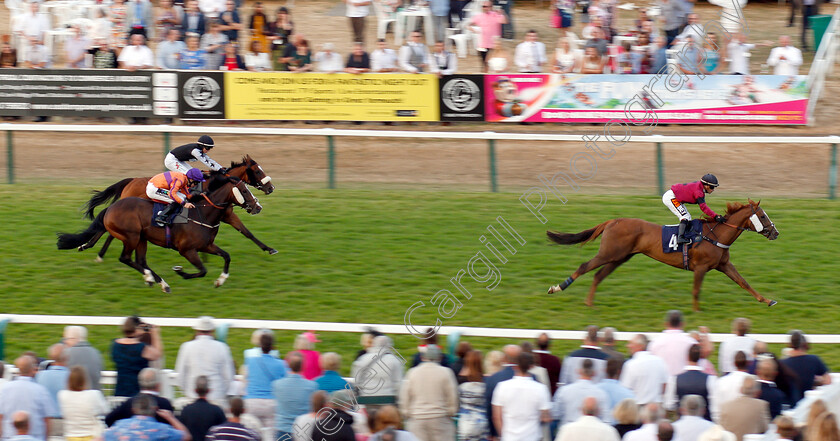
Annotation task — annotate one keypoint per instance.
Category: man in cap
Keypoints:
(177, 158)
(206, 356)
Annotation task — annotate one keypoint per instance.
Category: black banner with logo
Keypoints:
(462, 98)
(202, 95)
(85, 92)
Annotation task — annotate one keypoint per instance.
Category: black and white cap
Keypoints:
(206, 141)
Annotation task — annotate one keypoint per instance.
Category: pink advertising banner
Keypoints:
(713, 99)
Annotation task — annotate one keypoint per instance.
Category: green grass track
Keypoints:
(367, 255)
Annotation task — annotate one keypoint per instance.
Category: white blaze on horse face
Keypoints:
(238, 195)
(756, 223)
(265, 180)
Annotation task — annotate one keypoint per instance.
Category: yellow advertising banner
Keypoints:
(331, 97)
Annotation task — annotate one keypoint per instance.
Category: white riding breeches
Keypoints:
(172, 163)
(161, 195)
(676, 207)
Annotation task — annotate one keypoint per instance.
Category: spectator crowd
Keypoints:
(661, 389)
(206, 35)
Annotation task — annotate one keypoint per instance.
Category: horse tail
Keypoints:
(68, 241)
(113, 193)
(582, 238)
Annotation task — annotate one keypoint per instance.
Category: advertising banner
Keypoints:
(87, 92)
(202, 94)
(331, 97)
(715, 99)
(462, 98)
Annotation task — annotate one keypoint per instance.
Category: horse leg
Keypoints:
(584, 268)
(214, 249)
(92, 241)
(234, 221)
(140, 253)
(101, 255)
(699, 274)
(729, 269)
(602, 274)
(192, 256)
(125, 258)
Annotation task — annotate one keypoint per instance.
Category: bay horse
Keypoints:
(130, 220)
(624, 238)
(248, 171)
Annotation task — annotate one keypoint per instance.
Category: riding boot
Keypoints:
(681, 233)
(162, 218)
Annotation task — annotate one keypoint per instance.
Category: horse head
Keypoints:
(752, 217)
(232, 190)
(249, 171)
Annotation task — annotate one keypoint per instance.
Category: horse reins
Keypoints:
(712, 230)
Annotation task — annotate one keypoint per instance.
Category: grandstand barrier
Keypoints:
(400, 329)
(491, 137)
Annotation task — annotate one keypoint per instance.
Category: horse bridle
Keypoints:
(754, 213)
(250, 173)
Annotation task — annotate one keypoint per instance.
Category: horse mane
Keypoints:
(220, 180)
(246, 161)
(732, 207)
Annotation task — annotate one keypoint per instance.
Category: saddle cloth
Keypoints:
(669, 236)
(181, 218)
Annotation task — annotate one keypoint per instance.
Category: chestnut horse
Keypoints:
(624, 238)
(130, 220)
(248, 171)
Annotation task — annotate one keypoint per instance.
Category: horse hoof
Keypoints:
(81, 248)
(150, 284)
(772, 302)
(271, 251)
(98, 259)
(554, 289)
(221, 280)
(177, 268)
(165, 287)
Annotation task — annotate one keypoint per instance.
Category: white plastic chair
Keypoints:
(383, 19)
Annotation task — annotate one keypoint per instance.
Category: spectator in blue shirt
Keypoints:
(616, 392)
(293, 394)
(54, 378)
(143, 427)
(659, 57)
(262, 371)
(25, 394)
(231, 23)
(809, 368)
(331, 381)
(193, 57)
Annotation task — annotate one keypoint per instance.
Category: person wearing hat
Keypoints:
(691, 193)
(206, 356)
(177, 158)
(170, 188)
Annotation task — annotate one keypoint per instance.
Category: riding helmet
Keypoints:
(206, 142)
(709, 179)
(195, 174)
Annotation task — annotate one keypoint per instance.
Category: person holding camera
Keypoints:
(132, 353)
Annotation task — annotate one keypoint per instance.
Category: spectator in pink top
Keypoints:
(488, 25)
(672, 344)
(305, 344)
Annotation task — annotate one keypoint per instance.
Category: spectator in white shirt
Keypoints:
(81, 406)
(256, 59)
(691, 423)
(76, 48)
(443, 62)
(529, 56)
(650, 415)
(383, 59)
(414, 55)
(328, 60)
(211, 8)
(588, 426)
(785, 58)
(137, 55)
(672, 344)
(32, 25)
(694, 31)
(740, 342)
(357, 10)
(521, 404)
(204, 356)
(739, 64)
(644, 373)
(728, 387)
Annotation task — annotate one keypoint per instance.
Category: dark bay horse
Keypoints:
(248, 171)
(130, 221)
(624, 238)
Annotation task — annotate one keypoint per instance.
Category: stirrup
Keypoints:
(682, 239)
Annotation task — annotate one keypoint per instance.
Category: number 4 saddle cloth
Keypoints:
(694, 231)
